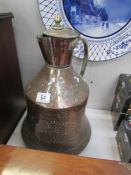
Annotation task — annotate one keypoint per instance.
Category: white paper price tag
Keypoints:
(43, 97)
(53, 80)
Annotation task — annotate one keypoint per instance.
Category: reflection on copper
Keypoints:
(59, 125)
(56, 51)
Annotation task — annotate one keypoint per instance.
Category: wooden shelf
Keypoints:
(23, 161)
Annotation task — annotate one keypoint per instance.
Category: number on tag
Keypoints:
(43, 97)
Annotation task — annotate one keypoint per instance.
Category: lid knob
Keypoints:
(57, 25)
(57, 19)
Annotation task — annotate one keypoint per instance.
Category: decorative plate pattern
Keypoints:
(106, 27)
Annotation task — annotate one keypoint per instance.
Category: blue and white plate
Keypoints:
(105, 24)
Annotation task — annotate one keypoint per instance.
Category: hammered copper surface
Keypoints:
(59, 124)
(65, 130)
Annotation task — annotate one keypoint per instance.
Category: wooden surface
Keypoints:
(12, 102)
(19, 161)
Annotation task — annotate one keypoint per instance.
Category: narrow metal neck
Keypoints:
(56, 52)
(58, 67)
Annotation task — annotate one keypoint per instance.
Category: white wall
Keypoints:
(27, 24)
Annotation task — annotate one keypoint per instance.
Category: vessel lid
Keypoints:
(59, 31)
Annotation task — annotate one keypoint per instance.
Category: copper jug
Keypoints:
(57, 97)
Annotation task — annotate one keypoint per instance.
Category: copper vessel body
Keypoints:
(59, 124)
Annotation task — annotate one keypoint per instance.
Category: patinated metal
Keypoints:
(61, 130)
(58, 31)
(60, 124)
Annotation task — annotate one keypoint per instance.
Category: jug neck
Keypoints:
(57, 52)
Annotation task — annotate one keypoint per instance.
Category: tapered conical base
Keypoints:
(33, 142)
